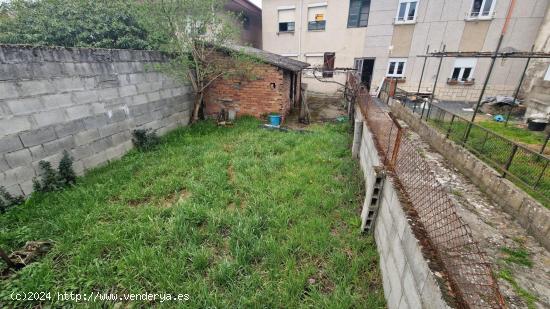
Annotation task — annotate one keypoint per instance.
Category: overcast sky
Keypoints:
(257, 2)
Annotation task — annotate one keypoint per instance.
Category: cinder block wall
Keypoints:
(407, 278)
(86, 101)
(465, 93)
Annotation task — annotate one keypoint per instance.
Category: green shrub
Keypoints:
(75, 23)
(145, 140)
(65, 169)
(52, 180)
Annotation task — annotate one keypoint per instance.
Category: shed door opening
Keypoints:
(328, 65)
(365, 68)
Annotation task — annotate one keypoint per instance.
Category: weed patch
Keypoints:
(55, 180)
(144, 140)
(529, 298)
(517, 256)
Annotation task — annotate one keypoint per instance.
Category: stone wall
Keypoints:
(407, 278)
(86, 101)
(464, 93)
(533, 216)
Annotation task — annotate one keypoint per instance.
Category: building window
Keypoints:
(547, 76)
(482, 8)
(286, 20)
(396, 68)
(464, 69)
(358, 13)
(328, 65)
(316, 18)
(407, 11)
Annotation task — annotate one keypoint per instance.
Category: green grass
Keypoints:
(515, 133)
(522, 257)
(517, 256)
(527, 297)
(234, 217)
(526, 169)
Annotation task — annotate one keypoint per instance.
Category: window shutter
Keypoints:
(465, 62)
(317, 13)
(286, 16)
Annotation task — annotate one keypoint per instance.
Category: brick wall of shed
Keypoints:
(255, 97)
(285, 91)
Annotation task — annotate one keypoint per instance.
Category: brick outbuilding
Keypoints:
(275, 88)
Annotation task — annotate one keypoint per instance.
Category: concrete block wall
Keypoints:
(466, 93)
(407, 279)
(85, 101)
(532, 216)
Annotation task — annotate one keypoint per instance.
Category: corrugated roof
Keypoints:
(271, 58)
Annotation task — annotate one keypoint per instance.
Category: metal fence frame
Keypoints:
(523, 166)
(466, 267)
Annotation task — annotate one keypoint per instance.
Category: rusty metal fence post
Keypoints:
(510, 160)
(467, 268)
(397, 143)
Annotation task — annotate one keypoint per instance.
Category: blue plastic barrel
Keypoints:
(275, 120)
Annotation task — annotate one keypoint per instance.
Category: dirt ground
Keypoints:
(499, 236)
(322, 109)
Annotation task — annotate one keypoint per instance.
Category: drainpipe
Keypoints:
(300, 31)
(494, 59)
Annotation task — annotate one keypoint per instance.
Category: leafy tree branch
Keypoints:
(201, 36)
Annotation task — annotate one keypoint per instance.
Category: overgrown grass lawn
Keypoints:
(234, 217)
(515, 133)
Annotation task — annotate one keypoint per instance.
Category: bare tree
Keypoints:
(198, 33)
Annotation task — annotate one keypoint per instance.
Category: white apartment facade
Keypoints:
(382, 38)
(313, 30)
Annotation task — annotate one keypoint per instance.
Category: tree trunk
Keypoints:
(197, 107)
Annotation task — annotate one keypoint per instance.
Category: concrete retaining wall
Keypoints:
(86, 101)
(533, 216)
(407, 278)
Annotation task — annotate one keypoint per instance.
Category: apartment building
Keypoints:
(382, 38)
(537, 80)
(328, 34)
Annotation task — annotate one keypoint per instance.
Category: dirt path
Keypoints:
(521, 265)
(322, 109)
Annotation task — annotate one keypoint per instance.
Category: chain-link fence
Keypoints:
(527, 168)
(465, 265)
